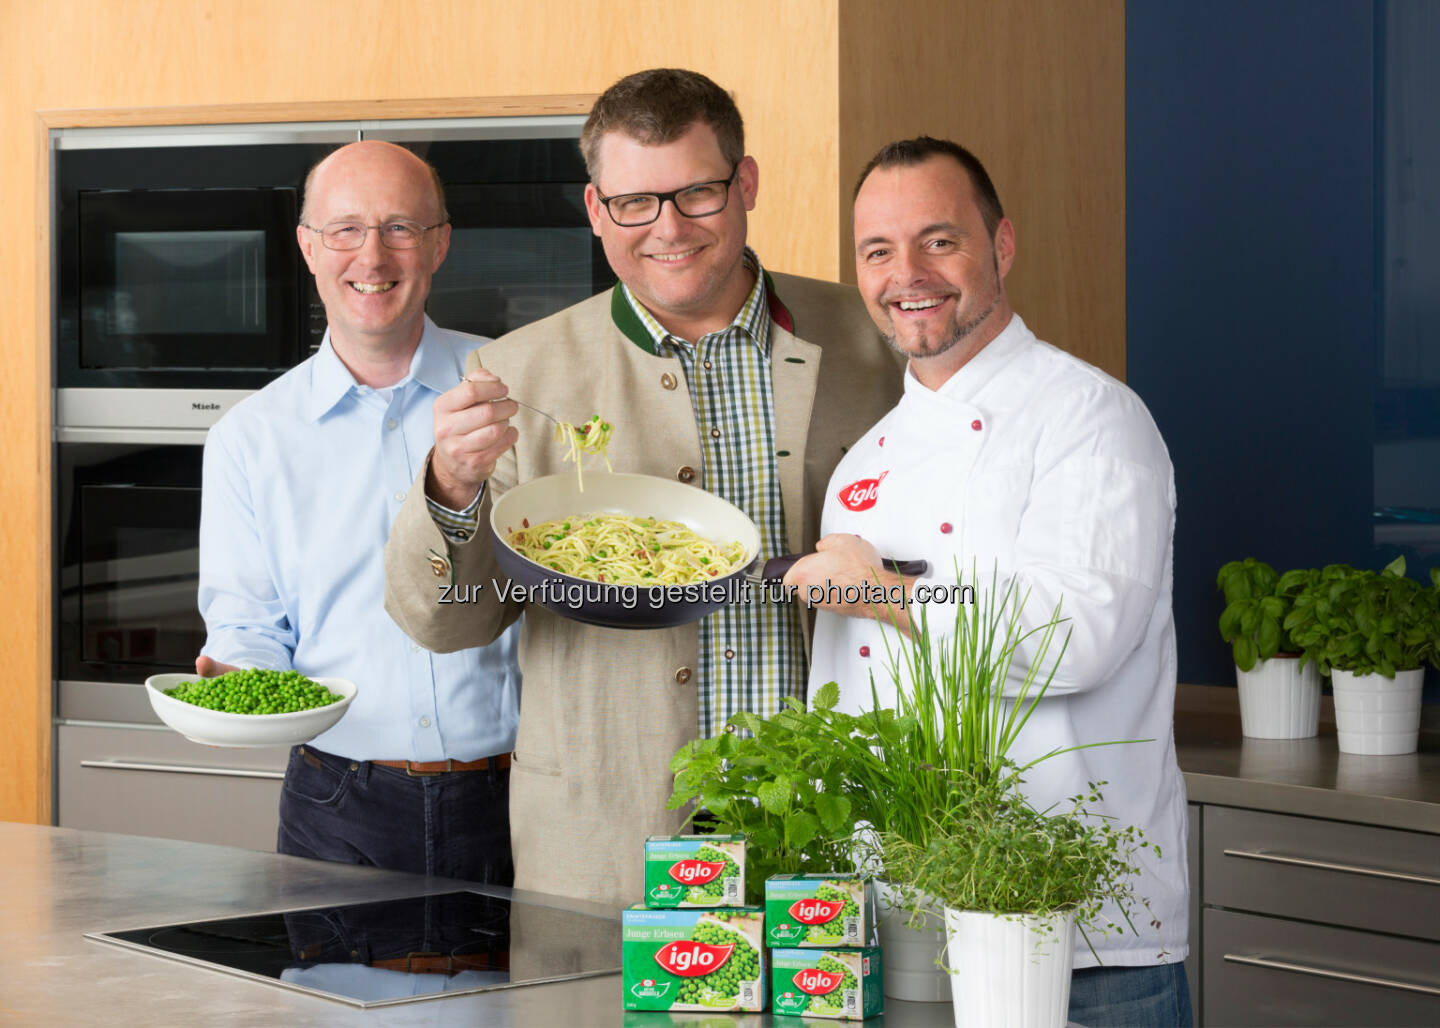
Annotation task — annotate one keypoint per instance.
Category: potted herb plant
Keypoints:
(782, 782)
(808, 784)
(1015, 883)
(955, 829)
(1279, 692)
(1373, 633)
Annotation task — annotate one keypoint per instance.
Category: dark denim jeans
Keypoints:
(454, 825)
(1156, 996)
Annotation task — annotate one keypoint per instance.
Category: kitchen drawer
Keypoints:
(1271, 971)
(145, 781)
(1378, 879)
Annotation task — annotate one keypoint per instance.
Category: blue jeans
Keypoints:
(1153, 996)
(454, 825)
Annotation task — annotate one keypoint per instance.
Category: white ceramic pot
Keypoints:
(1375, 714)
(1010, 971)
(1279, 699)
(911, 967)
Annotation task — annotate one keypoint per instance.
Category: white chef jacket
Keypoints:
(1032, 463)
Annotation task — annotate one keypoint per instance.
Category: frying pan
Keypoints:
(622, 606)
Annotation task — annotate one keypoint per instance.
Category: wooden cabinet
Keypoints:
(1306, 921)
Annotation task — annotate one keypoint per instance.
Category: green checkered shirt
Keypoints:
(751, 654)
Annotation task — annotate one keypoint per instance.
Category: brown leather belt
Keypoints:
(420, 769)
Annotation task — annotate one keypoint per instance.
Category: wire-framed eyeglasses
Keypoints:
(631, 210)
(399, 234)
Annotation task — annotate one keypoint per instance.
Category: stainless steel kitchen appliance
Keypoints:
(393, 951)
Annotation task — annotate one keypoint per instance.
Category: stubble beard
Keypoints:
(959, 330)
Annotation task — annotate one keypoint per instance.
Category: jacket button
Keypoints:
(686, 474)
(667, 380)
(437, 565)
(682, 675)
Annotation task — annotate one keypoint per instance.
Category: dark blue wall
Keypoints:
(1251, 285)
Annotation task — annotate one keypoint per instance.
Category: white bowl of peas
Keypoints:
(252, 707)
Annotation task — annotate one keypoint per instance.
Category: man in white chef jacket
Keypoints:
(1010, 454)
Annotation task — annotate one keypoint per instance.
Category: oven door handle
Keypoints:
(184, 769)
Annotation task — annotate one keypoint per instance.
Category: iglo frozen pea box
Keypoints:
(820, 910)
(845, 984)
(693, 959)
(694, 871)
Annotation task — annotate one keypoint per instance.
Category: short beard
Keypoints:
(958, 333)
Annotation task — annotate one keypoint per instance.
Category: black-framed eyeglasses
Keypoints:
(350, 235)
(631, 210)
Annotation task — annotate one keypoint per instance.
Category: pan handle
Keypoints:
(776, 567)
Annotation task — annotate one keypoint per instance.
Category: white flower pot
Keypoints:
(1278, 699)
(1010, 971)
(911, 967)
(1375, 714)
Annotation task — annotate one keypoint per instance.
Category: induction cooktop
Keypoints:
(393, 951)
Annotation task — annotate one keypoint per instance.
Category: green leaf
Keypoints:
(1268, 638)
(1396, 567)
(1230, 622)
(775, 795)
(800, 828)
(834, 810)
(826, 696)
(747, 721)
(1245, 653)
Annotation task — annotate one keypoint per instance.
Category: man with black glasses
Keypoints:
(714, 372)
(301, 483)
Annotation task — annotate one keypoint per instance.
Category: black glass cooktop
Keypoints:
(393, 951)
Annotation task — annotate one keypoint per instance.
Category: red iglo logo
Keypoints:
(813, 911)
(691, 959)
(696, 872)
(816, 982)
(861, 495)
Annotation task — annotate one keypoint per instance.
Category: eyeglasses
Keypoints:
(631, 210)
(350, 235)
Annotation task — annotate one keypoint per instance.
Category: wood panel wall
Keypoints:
(821, 84)
(1036, 90)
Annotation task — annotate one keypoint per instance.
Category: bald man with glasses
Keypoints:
(301, 483)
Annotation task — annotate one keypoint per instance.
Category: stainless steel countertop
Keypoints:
(1310, 777)
(60, 883)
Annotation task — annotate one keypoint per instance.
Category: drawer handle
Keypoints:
(184, 769)
(1343, 976)
(1326, 865)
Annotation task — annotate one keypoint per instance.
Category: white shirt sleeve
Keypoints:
(245, 620)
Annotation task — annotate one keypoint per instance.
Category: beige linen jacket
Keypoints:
(603, 710)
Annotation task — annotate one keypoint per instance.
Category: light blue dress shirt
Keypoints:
(302, 482)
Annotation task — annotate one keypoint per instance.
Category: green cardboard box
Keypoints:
(694, 871)
(825, 910)
(846, 984)
(693, 959)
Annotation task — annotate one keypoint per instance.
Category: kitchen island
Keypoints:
(61, 883)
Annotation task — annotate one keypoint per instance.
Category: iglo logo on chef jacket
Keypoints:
(816, 911)
(691, 959)
(861, 494)
(696, 872)
(816, 982)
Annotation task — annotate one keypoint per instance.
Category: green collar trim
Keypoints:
(628, 322)
(633, 329)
